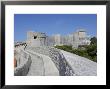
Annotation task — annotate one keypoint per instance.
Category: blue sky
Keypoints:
(53, 24)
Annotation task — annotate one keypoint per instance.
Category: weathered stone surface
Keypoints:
(37, 66)
(56, 57)
(81, 66)
(42, 66)
(49, 61)
(24, 64)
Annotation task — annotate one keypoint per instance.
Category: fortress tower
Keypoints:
(80, 38)
(36, 39)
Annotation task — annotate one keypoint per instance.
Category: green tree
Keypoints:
(92, 51)
(93, 40)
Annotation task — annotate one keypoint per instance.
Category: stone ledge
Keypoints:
(23, 68)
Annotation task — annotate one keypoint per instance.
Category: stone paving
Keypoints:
(37, 66)
(42, 66)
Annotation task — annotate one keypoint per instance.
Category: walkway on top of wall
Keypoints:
(37, 66)
(42, 66)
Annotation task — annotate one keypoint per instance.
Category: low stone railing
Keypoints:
(23, 63)
(57, 57)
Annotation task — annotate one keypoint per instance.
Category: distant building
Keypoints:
(80, 38)
(75, 39)
(70, 39)
(57, 39)
(83, 38)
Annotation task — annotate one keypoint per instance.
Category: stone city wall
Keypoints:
(57, 57)
(23, 63)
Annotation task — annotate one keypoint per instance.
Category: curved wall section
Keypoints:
(23, 63)
(57, 57)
